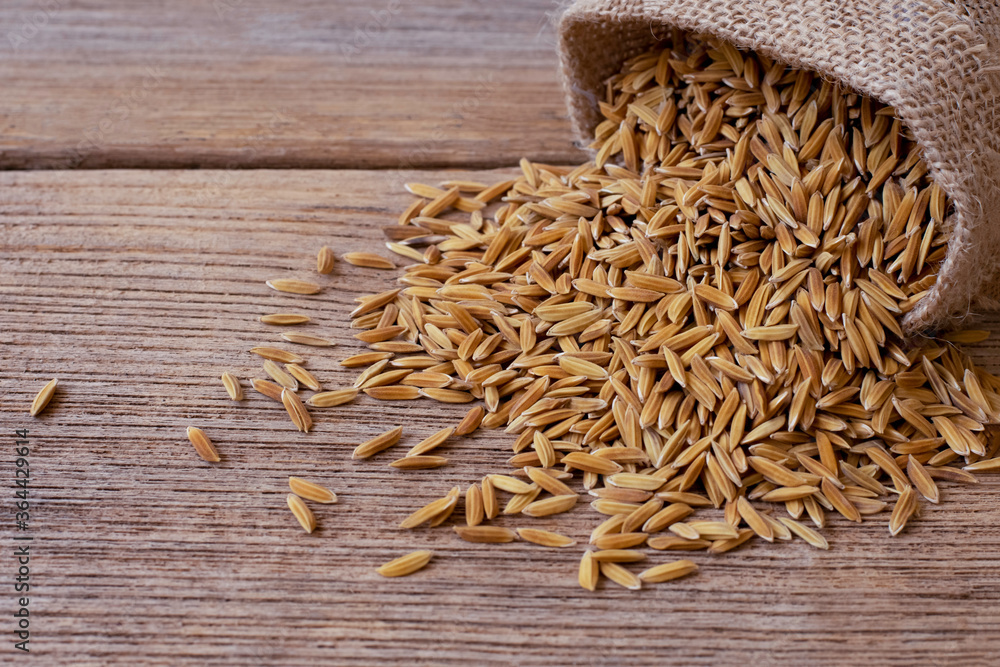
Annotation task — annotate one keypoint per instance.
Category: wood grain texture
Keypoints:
(137, 290)
(296, 84)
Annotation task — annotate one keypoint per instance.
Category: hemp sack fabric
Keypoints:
(937, 62)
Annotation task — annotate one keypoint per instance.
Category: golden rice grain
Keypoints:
(636, 481)
(294, 286)
(311, 491)
(378, 443)
(968, 336)
(303, 376)
(368, 260)
(325, 260)
(673, 543)
(618, 556)
(419, 462)
(365, 359)
(509, 484)
(432, 510)
(638, 517)
(232, 385)
(284, 319)
(986, 465)
(485, 534)
(380, 334)
(296, 410)
(668, 571)
(202, 444)
(922, 480)
(406, 565)
(620, 576)
(306, 339)
(610, 507)
(302, 513)
(393, 393)
(620, 540)
(43, 397)
(372, 371)
(753, 519)
(589, 571)
(520, 501)
(714, 530)
(591, 463)
(724, 545)
(551, 505)
(277, 354)
(906, 505)
(431, 442)
(545, 538)
(953, 475)
(805, 532)
(668, 515)
(547, 482)
(491, 507)
(840, 502)
(474, 511)
(606, 527)
(471, 421)
(329, 399)
(447, 395)
(453, 495)
(269, 389)
(280, 376)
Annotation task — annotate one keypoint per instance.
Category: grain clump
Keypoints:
(701, 326)
(703, 320)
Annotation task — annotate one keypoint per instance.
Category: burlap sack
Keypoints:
(936, 62)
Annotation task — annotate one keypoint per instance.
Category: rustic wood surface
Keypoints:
(138, 289)
(261, 83)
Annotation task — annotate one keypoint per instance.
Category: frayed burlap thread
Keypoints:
(937, 63)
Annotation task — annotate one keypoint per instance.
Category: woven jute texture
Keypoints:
(937, 63)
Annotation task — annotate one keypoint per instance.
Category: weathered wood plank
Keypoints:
(138, 289)
(304, 84)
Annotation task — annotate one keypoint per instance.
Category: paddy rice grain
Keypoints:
(378, 443)
(325, 260)
(311, 491)
(232, 385)
(206, 450)
(43, 397)
(406, 565)
(294, 286)
(284, 319)
(302, 513)
(545, 538)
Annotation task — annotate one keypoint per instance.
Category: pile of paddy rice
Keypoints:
(702, 324)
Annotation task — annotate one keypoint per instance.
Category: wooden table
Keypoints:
(138, 287)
